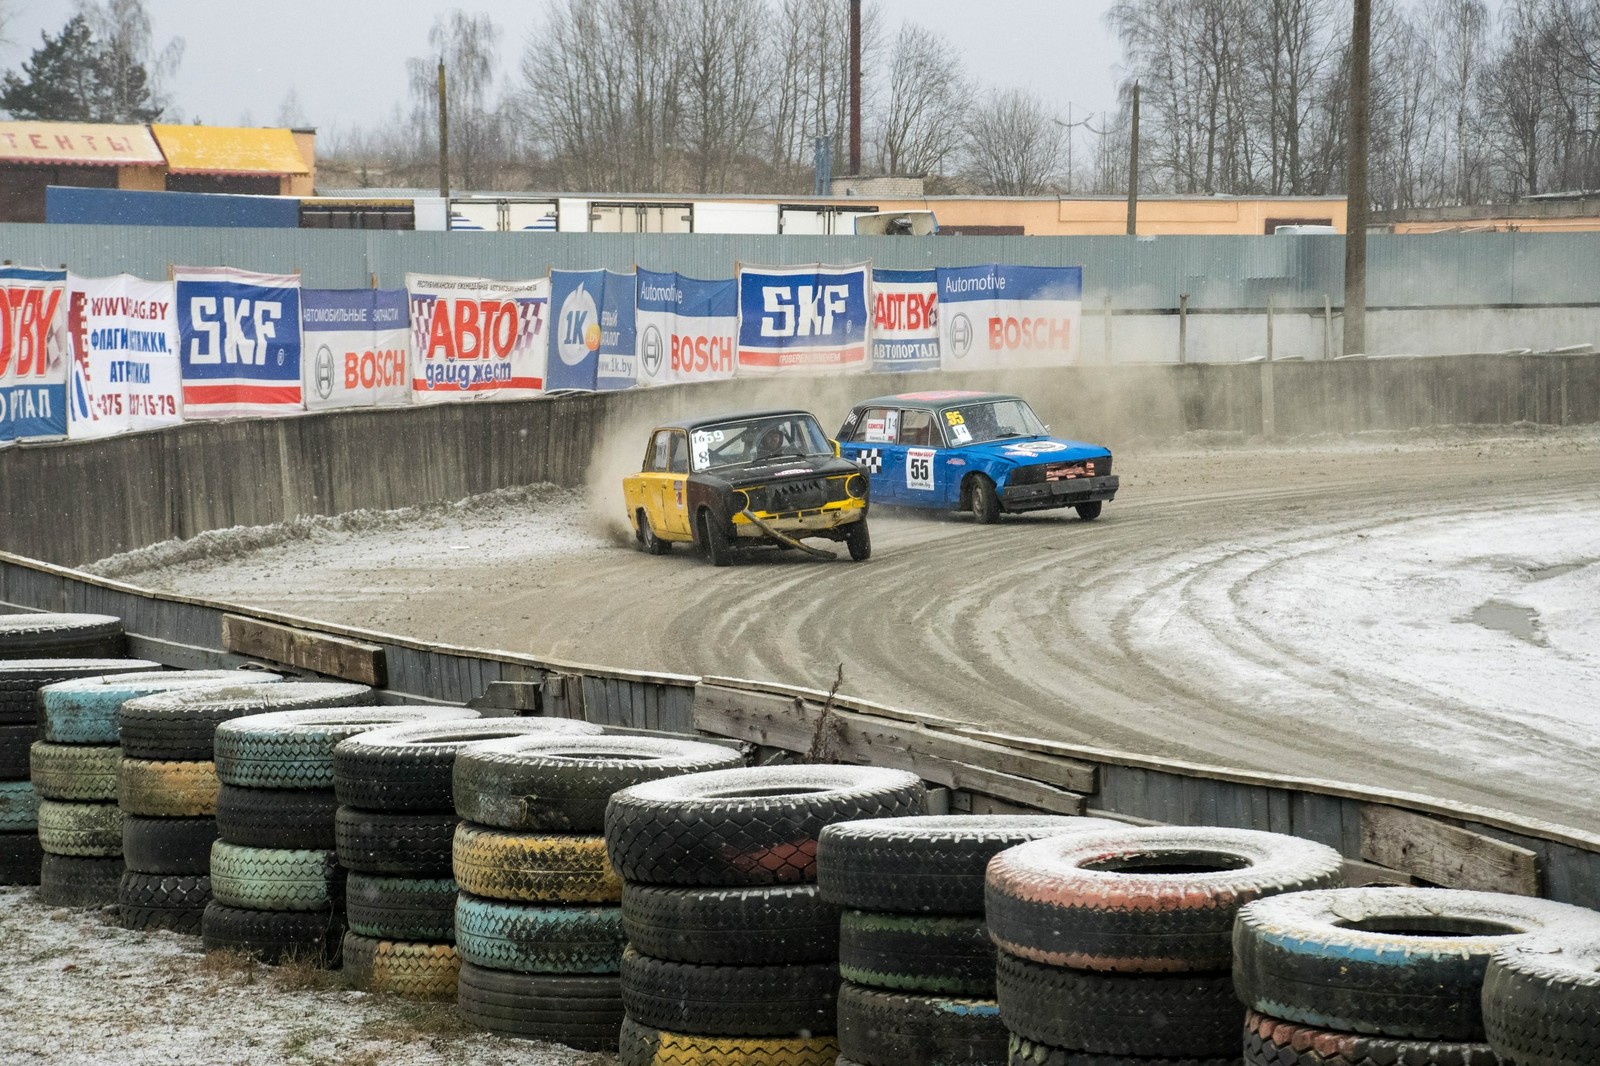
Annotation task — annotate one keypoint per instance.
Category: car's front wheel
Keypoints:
(648, 541)
(714, 539)
(1089, 511)
(985, 501)
(859, 541)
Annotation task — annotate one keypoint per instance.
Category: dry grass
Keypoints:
(305, 973)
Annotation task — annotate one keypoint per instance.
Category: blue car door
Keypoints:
(875, 447)
(924, 480)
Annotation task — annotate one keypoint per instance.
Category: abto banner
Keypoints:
(806, 318)
(355, 347)
(33, 354)
(475, 338)
(905, 320)
(592, 345)
(125, 372)
(686, 328)
(238, 341)
(1009, 316)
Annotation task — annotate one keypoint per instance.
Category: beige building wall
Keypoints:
(142, 179)
(1107, 216)
(303, 184)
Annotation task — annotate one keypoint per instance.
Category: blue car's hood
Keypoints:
(1029, 451)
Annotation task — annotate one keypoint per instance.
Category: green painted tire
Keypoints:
(275, 879)
(532, 939)
(83, 830)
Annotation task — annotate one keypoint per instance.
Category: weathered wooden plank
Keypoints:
(519, 697)
(1359, 874)
(1444, 854)
(308, 650)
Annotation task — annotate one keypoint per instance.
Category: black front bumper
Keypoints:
(1066, 493)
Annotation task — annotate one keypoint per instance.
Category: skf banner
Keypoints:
(355, 344)
(808, 318)
(1008, 316)
(239, 341)
(686, 328)
(905, 320)
(593, 344)
(125, 372)
(475, 338)
(33, 354)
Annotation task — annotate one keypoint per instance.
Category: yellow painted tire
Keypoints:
(167, 789)
(534, 868)
(643, 1046)
(405, 968)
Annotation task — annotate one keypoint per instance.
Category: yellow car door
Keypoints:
(675, 489)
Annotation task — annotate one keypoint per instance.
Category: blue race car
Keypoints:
(980, 451)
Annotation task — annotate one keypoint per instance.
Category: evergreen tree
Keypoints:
(71, 77)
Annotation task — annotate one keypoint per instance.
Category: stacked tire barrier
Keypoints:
(538, 923)
(61, 636)
(914, 953)
(1354, 976)
(1120, 943)
(1541, 1002)
(733, 853)
(394, 833)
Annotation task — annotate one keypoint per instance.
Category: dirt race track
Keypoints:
(1411, 614)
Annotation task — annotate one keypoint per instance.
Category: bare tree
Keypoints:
(478, 130)
(1516, 94)
(134, 71)
(928, 97)
(723, 79)
(1015, 143)
(810, 64)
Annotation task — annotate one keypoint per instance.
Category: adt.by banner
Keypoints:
(1009, 316)
(593, 343)
(355, 344)
(905, 320)
(475, 338)
(239, 341)
(686, 328)
(33, 354)
(125, 371)
(808, 318)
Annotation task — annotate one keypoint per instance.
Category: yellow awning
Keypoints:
(78, 144)
(229, 150)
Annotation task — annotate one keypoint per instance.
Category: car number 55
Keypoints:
(919, 469)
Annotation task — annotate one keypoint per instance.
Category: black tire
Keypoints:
(402, 908)
(1025, 1052)
(163, 901)
(1541, 1002)
(277, 818)
(1399, 962)
(641, 1045)
(276, 879)
(532, 939)
(1270, 1042)
(562, 784)
(750, 826)
(931, 864)
(168, 847)
(19, 807)
(396, 844)
(859, 540)
(76, 773)
(410, 767)
(879, 1028)
(1168, 1015)
(1157, 900)
(21, 680)
(15, 744)
(81, 830)
(943, 955)
(579, 1011)
(273, 936)
(1088, 512)
(294, 749)
(731, 926)
(729, 1000)
(401, 968)
(20, 857)
(646, 536)
(75, 881)
(84, 710)
(181, 725)
(985, 501)
(714, 540)
(60, 636)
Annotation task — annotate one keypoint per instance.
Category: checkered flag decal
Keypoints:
(530, 323)
(870, 459)
(422, 311)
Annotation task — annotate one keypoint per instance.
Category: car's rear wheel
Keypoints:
(648, 541)
(1089, 511)
(985, 500)
(859, 541)
(714, 539)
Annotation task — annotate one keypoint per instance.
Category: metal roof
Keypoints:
(230, 150)
(78, 144)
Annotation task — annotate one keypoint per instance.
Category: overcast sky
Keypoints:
(346, 58)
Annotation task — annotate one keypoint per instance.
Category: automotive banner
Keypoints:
(995, 317)
(125, 373)
(476, 338)
(355, 343)
(686, 328)
(238, 341)
(33, 354)
(905, 321)
(594, 339)
(802, 318)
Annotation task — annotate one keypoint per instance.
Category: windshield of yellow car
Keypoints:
(751, 440)
(978, 423)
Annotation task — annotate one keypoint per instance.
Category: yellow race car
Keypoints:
(761, 478)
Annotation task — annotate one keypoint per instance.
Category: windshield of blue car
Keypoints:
(752, 440)
(978, 423)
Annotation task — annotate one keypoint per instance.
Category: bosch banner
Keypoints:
(33, 354)
(905, 321)
(474, 338)
(996, 317)
(238, 341)
(686, 328)
(592, 345)
(355, 347)
(125, 372)
(808, 318)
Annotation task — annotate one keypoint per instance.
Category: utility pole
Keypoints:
(1355, 238)
(1133, 168)
(855, 87)
(444, 143)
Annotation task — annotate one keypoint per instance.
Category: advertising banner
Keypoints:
(686, 328)
(355, 342)
(995, 317)
(905, 320)
(125, 372)
(33, 354)
(238, 340)
(806, 318)
(475, 338)
(593, 344)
